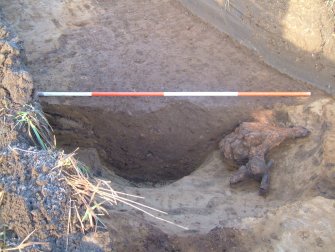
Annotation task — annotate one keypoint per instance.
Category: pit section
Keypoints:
(163, 145)
(158, 146)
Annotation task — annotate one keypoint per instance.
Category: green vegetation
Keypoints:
(38, 127)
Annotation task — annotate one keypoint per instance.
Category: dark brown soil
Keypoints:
(33, 200)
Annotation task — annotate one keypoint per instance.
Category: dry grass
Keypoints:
(23, 245)
(2, 194)
(94, 195)
(4, 109)
(227, 4)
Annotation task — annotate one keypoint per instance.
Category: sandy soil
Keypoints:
(295, 37)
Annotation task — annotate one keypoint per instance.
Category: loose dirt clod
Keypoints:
(248, 146)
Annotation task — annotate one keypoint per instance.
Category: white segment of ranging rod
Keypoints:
(200, 93)
(64, 93)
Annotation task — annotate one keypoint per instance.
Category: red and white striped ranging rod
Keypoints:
(204, 94)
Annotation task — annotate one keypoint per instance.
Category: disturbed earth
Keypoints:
(165, 150)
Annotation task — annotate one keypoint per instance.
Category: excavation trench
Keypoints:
(102, 45)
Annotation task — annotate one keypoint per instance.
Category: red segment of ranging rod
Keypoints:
(274, 93)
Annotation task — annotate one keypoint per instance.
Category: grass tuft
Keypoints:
(38, 127)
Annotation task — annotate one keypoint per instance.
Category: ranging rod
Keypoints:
(200, 94)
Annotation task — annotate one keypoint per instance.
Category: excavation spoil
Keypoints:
(34, 198)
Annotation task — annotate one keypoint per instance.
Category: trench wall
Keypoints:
(295, 37)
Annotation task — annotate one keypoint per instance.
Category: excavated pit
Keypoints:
(150, 46)
(173, 142)
(159, 146)
(155, 147)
